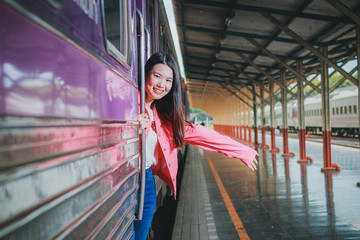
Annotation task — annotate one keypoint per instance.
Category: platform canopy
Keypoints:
(230, 46)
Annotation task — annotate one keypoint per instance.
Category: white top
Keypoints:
(151, 143)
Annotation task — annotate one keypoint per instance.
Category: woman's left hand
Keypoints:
(253, 164)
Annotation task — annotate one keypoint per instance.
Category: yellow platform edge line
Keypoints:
(230, 207)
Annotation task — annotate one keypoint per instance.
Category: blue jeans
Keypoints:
(142, 227)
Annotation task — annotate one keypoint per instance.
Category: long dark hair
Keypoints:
(170, 107)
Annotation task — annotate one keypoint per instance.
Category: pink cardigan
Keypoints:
(199, 136)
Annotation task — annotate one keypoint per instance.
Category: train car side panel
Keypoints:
(69, 154)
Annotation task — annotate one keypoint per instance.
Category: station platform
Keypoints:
(220, 198)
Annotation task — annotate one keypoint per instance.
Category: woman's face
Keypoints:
(158, 82)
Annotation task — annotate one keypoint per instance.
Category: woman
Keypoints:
(169, 131)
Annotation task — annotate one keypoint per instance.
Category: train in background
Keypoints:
(69, 152)
(344, 118)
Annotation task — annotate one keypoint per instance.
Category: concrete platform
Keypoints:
(281, 200)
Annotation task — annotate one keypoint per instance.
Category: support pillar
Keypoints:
(285, 130)
(241, 136)
(301, 119)
(249, 128)
(249, 125)
(233, 127)
(263, 130)
(256, 133)
(245, 128)
(328, 166)
(237, 122)
(256, 141)
(272, 119)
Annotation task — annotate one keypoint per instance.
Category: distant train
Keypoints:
(344, 118)
(69, 144)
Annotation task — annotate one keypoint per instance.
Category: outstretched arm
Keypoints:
(211, 140)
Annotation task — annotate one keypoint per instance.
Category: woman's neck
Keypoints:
(148, 104)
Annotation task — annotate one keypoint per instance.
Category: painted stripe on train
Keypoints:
(25, 144)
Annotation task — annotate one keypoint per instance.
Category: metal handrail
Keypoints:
(142, 103)
(148, 43)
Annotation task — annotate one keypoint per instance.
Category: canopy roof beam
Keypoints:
(258, 9)
(308, 46)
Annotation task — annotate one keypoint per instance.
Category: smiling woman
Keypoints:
(169, 131)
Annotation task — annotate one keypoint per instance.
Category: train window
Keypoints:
(333, 112)
(350, 112)
(345, 110)
(116, 22)
(337, 111)
(354, 109)
(320, 112)
(341, 110)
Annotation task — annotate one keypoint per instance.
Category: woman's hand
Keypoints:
(253, 164)
(143, 121)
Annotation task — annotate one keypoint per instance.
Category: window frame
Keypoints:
(111, 49)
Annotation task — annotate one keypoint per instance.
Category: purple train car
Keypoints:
(69, 77)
